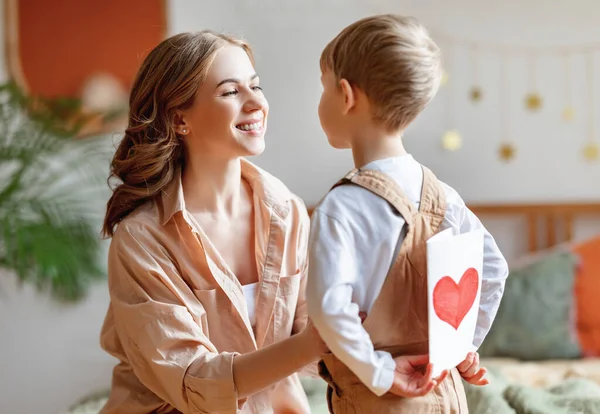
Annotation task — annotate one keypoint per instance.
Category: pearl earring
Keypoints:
(184, 130)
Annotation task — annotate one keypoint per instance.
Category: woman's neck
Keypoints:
(212, 185)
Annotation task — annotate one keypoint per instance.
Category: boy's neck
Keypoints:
(376, 146)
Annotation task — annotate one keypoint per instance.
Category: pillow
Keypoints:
(535, 320)
(534, 257)
(587, 296)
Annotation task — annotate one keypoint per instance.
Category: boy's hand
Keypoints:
(471, 371)
(409, 379)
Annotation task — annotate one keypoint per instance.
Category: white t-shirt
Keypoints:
(354, 239)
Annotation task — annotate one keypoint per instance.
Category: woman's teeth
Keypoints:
(250, 127)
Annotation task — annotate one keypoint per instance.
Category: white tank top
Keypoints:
(250, 292)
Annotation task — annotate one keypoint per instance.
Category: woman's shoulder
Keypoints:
(268, 181)
(141, 223)
(275, 190)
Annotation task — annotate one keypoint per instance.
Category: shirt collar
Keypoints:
(265, 187)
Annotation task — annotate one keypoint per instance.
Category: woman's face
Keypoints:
(228, 118)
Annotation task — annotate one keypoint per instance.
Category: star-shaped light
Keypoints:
(451, 140)
(568, 113)
(533, 101)
(507, 152)
(476, 94)
(591, 151)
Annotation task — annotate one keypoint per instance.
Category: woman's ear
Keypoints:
(349, 95)
(181, 126)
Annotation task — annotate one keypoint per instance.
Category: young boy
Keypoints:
(367, 250)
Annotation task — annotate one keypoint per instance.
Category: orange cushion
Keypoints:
(587, 296)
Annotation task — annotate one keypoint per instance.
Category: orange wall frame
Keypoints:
(54, 46)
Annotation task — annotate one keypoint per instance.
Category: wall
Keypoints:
(49, 353)
(289, 67)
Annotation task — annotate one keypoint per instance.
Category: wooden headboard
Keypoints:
(547, 223)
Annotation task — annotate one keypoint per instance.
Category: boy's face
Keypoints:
(331, 112)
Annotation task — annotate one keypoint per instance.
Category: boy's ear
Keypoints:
(349, 95)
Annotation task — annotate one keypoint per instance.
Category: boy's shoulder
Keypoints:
(351, 201)
(453, 198)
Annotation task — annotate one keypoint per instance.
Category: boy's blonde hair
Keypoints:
(393, 60)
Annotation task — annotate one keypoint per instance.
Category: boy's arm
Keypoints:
(331, 276)
(495, 272)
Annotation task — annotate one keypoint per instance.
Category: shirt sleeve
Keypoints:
(495, 272)
(331, 276)
(165, 346)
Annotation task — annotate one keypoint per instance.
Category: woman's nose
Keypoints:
(255, 102)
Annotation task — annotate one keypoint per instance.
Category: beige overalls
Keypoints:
(397, 321)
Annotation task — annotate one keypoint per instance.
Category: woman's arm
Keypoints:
(259, 369)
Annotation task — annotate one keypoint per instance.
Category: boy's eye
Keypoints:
(257, 88)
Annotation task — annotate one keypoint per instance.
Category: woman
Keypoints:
(207, 261)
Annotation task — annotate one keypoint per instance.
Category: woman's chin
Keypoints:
(254, 147)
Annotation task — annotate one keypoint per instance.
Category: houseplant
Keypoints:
(52, 194)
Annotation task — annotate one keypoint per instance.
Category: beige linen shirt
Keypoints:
(178, 316)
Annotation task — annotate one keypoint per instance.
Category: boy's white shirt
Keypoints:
(354, 239)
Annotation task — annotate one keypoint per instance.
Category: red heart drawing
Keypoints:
(452, 302)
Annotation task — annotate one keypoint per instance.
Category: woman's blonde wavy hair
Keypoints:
(150, 153)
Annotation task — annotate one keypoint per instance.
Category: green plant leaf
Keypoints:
(53, 194)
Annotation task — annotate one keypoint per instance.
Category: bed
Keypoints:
(555, 276)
